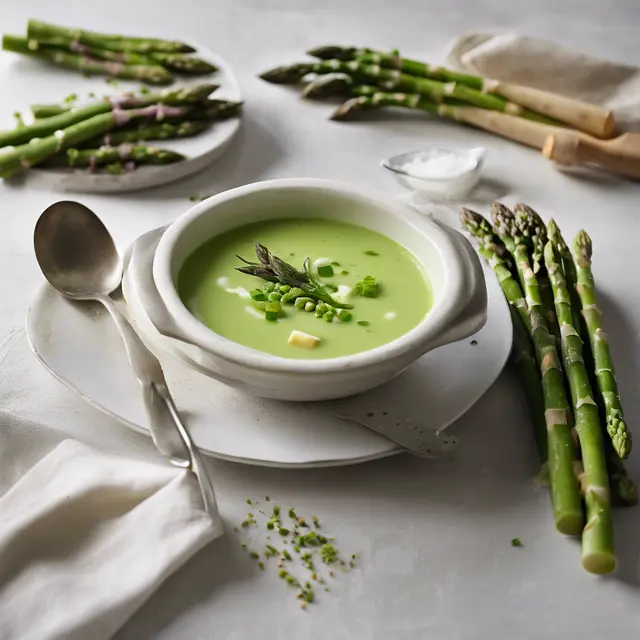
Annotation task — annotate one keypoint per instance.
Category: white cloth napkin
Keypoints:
(545, 65)
(85, 538)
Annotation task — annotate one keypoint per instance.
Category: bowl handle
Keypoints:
(473, 316)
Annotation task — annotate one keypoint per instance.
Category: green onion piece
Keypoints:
(367, 287)
(343, 315)
(274, 296)
(329, 316)
(371, 252)
(258, 295)
(370, 291)
(302, 301)
(272, 310)
(344, 272)
(311, 306)
(325, 271)
(363, 323)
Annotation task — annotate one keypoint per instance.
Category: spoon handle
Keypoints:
(168, 432)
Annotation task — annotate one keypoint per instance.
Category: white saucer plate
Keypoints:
(36, 82)
(79, 345)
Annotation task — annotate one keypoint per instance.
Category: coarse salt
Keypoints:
(442, 164)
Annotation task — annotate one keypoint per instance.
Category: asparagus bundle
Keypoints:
(583, 116)
(394, 80)
(149, 60)
(601, 471)
(14, 159)
(47, 126)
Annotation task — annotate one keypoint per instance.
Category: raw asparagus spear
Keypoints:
(52, 33)
(393, 61)
(598, 555)
(531, 226)
(122, 153)
(180, 62)
(623, 489)
(28, 155)
(393, 80)
(604, 369)
(493, 251)
(47, 126)
(151, 74)
(149, 131)
(562, 450)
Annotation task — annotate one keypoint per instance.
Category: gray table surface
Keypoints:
(434, 537)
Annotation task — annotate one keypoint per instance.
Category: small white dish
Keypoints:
(453, 180)
(79, 345)
(37, 82)
(454, 270)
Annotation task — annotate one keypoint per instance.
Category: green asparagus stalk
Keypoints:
(531, 226)
(603, 362)
(393, 61)
(598, 555)
(139, 154)
(45, 32)
(151, 74)
(183, 63)
(47, 126)
(558, 418)
(494, 252)
(149, 131)
(15, 159)
(623, 489)
(394, 80)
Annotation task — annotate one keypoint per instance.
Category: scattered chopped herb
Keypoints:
(292, 513)
(314, 576)
(328, 554)
(112, 82)
(261, 565)
(254, 555)
(286, 555)
(276, 510)
(474, 342)
(243, 546)
(303, 606)
(316, 522)
(144, 90)
(352, 564)
(267, 498)
(283, 573)
(18, 118)
(271, 551)
(92, 94)
(344, 272)
(516, 542)
(302, 523)
(71, 98)
(326, 588)
(371, 252)
(363, 323)
(283, 532)
(249, 501)
(235, 529)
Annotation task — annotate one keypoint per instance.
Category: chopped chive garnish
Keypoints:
(516, 542)
(249, 501)
(286, 555)
(292, 513)
(344, 272)
(325, 271)
(258, 295)
(254, 555)
(272, 311)
(261, 565)
(371, 252)
(363, 323)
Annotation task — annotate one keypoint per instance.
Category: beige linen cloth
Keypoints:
(85, 538)
(545, 65)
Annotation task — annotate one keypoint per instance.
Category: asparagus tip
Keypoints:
(583, 248)
(346, 109)
(331, 52)
(503, 219)
(290, 74)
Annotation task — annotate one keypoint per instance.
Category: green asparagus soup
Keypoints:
(310, 289)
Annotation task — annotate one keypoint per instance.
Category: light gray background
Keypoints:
(434, 537)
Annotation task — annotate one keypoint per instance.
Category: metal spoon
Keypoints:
(78, 257)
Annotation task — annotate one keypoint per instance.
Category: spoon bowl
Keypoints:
(76, 252)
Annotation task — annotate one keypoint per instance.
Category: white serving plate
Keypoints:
(30, 81)
(79, 345)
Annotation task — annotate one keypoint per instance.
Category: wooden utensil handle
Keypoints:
(581, 115)
(619, 156)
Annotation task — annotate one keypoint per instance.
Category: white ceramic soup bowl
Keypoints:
(459, 292)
